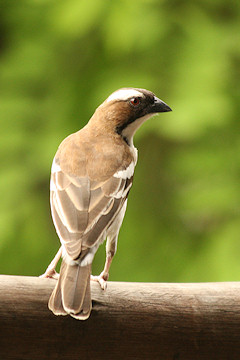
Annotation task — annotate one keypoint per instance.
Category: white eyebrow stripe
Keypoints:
(124, 94)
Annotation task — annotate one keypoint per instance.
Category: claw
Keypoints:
(51, 274)
(101, 279)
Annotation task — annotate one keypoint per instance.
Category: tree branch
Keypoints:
(128, 321)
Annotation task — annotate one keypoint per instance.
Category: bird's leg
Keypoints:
(51, 272)
(103, 277)
(111, 248)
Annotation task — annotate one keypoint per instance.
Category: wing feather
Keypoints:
(110, 187)
(90, 238)
(83, 209)
(61, 180)
(80, 199)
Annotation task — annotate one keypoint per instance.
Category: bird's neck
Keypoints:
(127, 132)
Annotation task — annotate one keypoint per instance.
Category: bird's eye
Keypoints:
(135, 101)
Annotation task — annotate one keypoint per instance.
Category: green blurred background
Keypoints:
(58, 61)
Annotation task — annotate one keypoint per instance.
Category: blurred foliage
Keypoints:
(58, 61)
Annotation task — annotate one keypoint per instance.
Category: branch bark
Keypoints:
(128, 321)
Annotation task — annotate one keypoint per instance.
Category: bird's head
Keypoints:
(126, 109)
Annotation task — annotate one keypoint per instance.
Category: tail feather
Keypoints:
(72, 294)
(55, 302)
(86, 306)
(74, 287)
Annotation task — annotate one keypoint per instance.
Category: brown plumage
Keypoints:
(91, 177)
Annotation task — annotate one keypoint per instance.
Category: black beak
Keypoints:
(159, 106)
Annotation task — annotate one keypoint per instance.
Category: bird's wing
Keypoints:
(83, 209)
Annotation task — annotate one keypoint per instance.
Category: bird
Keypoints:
(91, 176)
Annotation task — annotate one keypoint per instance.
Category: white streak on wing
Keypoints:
(108, 207)
(52, 186)
(124, 94)
(59, 209)
(127, 173)
(113, 230)
(122, 194)
(126, 190)
(55, 167)
(103, 212)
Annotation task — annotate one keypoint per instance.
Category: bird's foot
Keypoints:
(50, 273)
(101, 279)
